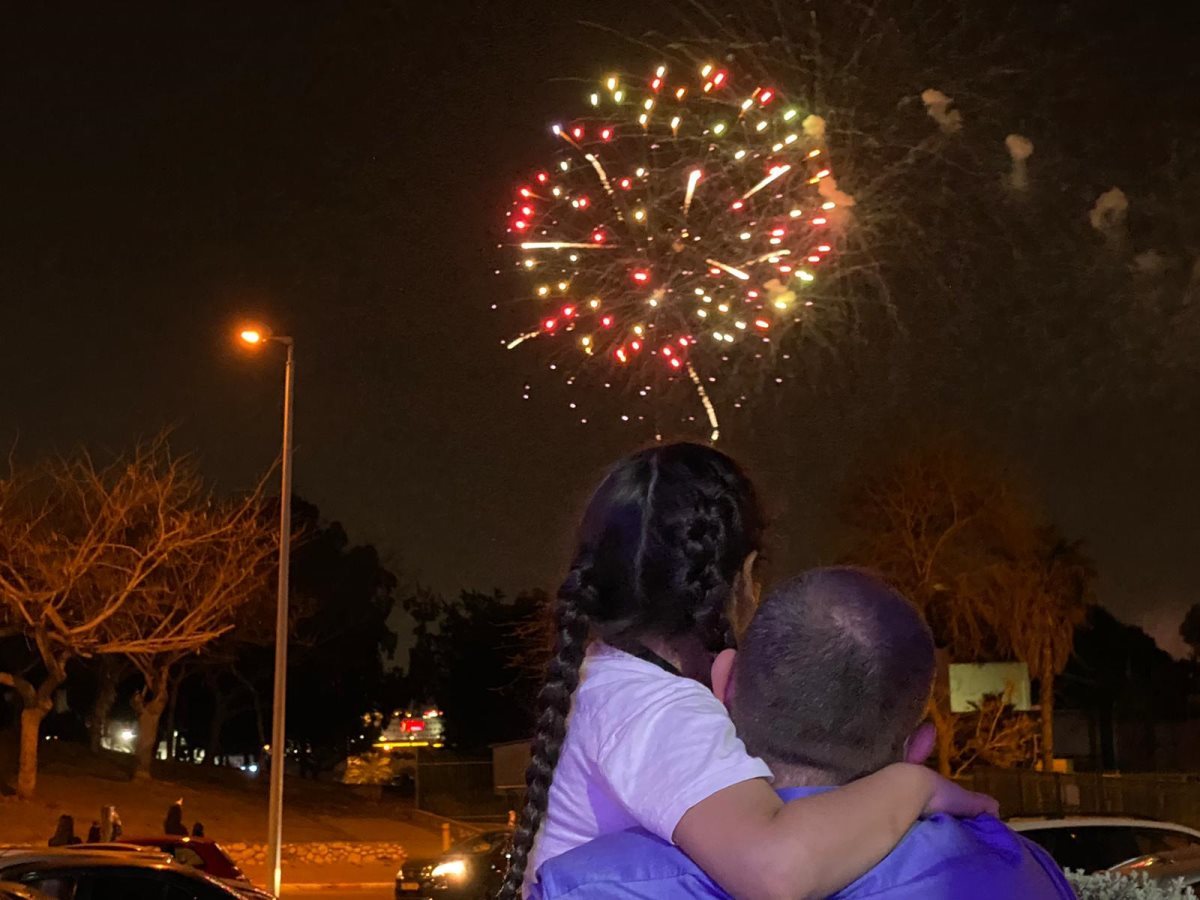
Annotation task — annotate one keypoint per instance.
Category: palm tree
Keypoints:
(1046, 586)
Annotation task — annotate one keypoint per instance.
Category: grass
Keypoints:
(231, 804)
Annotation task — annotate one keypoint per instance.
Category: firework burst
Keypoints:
(678, 230)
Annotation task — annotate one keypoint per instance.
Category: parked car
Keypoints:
(470, 870)
(1093, 843)
(69, 874)
(1168, 866)
(10, 891)
(199, 853)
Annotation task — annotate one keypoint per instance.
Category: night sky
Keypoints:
(341, 169)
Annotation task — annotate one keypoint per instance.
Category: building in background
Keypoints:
(406, 731)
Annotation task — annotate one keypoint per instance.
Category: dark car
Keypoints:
(1095, 843)
(105, 875)
(199, 853)
(470, 870)
(10, 891)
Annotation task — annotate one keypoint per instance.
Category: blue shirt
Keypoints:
(941, 858)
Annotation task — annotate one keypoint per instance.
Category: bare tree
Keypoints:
(994, 734)
(83, 548)
(110, 670)
(193, 599)
(931, 521)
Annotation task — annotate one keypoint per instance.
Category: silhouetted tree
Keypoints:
(337, 670)
(342, 597)
(1044, 586)
(1189, 630)
(467, 658)
(1118, 671)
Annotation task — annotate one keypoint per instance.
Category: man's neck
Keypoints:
(791, 776)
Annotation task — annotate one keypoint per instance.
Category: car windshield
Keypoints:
(480, 843)
(1093, 847)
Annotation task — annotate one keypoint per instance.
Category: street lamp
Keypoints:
(257, 336)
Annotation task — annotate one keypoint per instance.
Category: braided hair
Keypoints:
(661, 546)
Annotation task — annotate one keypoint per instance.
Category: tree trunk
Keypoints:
(106, 697)
(149, 713)
(939, 711)
(258, 716)
(1047, 688)
(149, 705)
(215, 726)
(944, 723)
(35, 703)
(172, 749)
(31, 726)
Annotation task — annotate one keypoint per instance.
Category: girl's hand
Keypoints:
(955, 800)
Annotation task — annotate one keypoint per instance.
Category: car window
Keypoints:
(477, 844)
(1162, 840)
(188, 856)
(119, 885)
(1087, 848)
(57, 886)
(191, 889)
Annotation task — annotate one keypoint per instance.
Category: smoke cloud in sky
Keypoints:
(938, 106)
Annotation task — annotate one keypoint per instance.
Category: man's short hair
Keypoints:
(833, 675)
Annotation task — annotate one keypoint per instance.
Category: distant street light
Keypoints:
(255, 336)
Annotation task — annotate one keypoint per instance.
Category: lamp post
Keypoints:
(256, 337)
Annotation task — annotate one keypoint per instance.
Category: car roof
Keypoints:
(101, 859)
(30, 860)
(1039, 823)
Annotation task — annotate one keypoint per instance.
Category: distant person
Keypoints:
(117, 829)
(94, 833)
(629, 734)
(64, 834)
(830, 685)
(198, 829)
(173, 823)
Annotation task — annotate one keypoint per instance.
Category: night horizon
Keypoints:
(343, 175)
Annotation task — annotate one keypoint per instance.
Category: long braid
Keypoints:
(706, 582)
(554, 705)
(661, 544)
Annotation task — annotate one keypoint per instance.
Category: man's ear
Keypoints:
(745, 597)
(920, 744)
(722, 675)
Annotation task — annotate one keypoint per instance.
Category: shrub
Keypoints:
(1119, 886)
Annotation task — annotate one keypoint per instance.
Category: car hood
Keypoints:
(418, 867)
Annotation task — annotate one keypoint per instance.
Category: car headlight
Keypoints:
(452, 868)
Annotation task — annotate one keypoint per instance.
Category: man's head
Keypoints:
(832, 679)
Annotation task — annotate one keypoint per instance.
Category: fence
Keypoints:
(1174, 798)
(461, 789)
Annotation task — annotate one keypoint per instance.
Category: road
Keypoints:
(375, 891)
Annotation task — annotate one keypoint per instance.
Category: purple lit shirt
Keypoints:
(941, 858)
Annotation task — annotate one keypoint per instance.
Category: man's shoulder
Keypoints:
(942, 855)
(632, 863)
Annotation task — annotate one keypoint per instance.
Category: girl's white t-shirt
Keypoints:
(643, 746)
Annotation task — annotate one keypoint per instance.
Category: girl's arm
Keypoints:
(759, 848)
